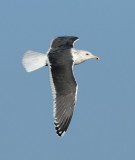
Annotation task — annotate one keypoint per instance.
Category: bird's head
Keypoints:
(80, 56)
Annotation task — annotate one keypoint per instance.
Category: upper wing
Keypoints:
(65, 42)
(64, 88)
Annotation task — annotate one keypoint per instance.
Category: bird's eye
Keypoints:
(87, 54)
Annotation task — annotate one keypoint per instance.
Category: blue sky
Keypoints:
(103, 124)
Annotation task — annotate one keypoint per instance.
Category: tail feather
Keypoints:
(33, 60)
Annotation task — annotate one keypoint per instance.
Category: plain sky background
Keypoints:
(103, 124)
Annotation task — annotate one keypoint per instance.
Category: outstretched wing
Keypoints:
(65, 42)
(64, 88)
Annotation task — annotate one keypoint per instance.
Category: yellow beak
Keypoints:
(95, 57)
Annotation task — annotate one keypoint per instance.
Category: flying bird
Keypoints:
(60, 59)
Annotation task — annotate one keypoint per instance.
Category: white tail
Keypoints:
(33, 60)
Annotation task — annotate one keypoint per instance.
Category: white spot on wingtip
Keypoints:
(60, 134)
(63, 134)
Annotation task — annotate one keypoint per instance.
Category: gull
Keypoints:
(60, 59)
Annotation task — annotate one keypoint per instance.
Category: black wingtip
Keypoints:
(59, 132)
